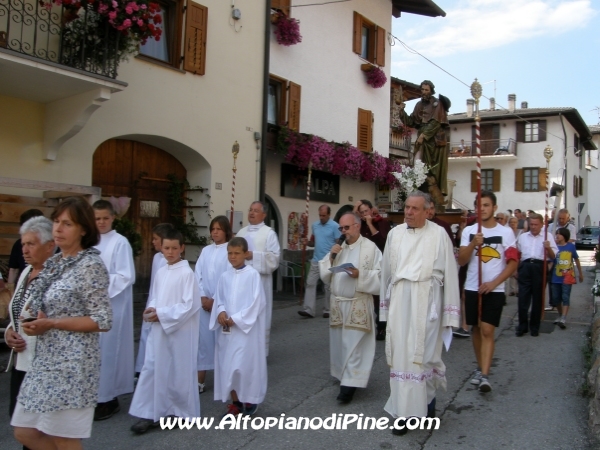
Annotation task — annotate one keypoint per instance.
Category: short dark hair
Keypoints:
(224, 224)
(367, 202)
(238, 242)
(173, 235)
(82, 214)
(161, 229)
(564, 232)
(517, 210)
(490, 195)
(100, 205)
(328, 208)
(29, 214)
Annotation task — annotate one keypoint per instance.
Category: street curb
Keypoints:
(593, 375)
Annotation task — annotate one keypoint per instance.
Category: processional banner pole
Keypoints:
(548, 155)
(235, 150)
(476, 91)
(305, 220)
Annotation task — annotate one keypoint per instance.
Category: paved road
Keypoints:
(535, 400)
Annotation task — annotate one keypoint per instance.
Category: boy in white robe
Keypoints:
(167, 383)
(238, 315)
(116, 345)
(211, 264)
(158, 233)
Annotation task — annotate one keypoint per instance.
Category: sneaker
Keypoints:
(201, 388)
(561, 323)
(250, 408)
(476, 379)
(143, 425)
(235, 408)
(461, 332)
(484, 385)
(550, 308)
(557, 321)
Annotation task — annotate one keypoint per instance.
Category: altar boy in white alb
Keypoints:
(158, 261)
(263, 255)
(167, 384)
(116, 345)
(238, 315)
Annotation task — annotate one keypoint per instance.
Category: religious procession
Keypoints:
(257, 229)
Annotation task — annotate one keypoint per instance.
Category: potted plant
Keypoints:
(287, 29)
(375, 76)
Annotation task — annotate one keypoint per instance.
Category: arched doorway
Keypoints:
(125, 168)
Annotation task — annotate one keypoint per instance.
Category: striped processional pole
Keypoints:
(548, 155)
(476, 91)
(235, 150)
(305, 220)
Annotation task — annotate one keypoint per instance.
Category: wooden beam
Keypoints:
(6, 245)
(11, 212)
(49, 186)
(31, 201)
(9, 229)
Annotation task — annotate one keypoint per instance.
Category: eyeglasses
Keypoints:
(345, 228)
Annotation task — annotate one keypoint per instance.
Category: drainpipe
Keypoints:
(263, 151)
(565, 179)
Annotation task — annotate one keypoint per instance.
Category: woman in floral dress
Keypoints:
(70, 302)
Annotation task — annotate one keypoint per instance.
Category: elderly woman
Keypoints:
(37, 245)
(69, 305)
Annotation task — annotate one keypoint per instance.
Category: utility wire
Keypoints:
(320, 4)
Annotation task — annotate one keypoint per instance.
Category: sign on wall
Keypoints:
(324, 187)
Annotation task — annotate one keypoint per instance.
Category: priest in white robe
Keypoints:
(421, 303)
(116, 345)
(167, 383)
(264, 250)
(240, 358)
(352, 320)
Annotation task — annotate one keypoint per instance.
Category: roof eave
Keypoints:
(420, 7)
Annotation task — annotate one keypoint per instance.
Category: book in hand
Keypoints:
(342, 268)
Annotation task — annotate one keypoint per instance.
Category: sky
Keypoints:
(544, 51)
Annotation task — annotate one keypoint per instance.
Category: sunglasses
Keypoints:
(345, 227)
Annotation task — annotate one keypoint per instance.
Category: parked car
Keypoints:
(587, 237)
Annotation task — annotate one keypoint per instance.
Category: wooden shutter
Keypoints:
(496, 131)
(542, 179)
(542, 130)
(194, 58)
(365, 130)
(519, 180)
(473, 141)
(380, 46)
(575, 187)
(295, 91)
(520, 131)
(473, 181)
(357, 35)
(281, 5)
(580, 186)
(496, 181)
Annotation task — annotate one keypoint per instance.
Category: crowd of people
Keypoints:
(71, 314)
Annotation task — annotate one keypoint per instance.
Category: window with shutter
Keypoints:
(194, 59)
(365, 130)
(282, 5)
(277, 105)
(531, 131)
(295, 91)
(519, 180)
(167, 49)
(368, 40)
(487, 179)
(575, 186)
(530, 179)
(580, 186)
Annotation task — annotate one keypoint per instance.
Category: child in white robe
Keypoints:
(158, 232)
(211, 264)
(116, 346)
(167, 383)
(239, 316)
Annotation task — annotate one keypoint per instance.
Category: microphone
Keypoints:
(340, 241)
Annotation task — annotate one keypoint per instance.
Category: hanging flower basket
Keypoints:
(287, 30)
(375, 76)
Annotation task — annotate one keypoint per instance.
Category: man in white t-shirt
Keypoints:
(499, 258)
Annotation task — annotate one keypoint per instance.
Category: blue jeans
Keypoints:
(560, 292)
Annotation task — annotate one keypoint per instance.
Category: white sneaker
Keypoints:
(484, 385)
(476, 379)
(201, 387)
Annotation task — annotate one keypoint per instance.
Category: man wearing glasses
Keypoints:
(351, 320)
(501, 219)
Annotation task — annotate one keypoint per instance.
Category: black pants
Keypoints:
(530, 294)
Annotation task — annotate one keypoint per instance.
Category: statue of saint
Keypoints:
(430, 118)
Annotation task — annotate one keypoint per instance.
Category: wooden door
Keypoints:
(139, 171)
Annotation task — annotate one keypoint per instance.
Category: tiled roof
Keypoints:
(594, 129)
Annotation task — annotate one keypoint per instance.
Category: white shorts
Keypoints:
(68, 423)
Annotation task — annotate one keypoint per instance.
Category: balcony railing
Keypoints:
(81, 40)
(397, 140)
(488, 147)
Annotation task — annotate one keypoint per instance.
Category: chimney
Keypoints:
(512, 99)
(492, 103)
(524, 105)
(470, 104)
